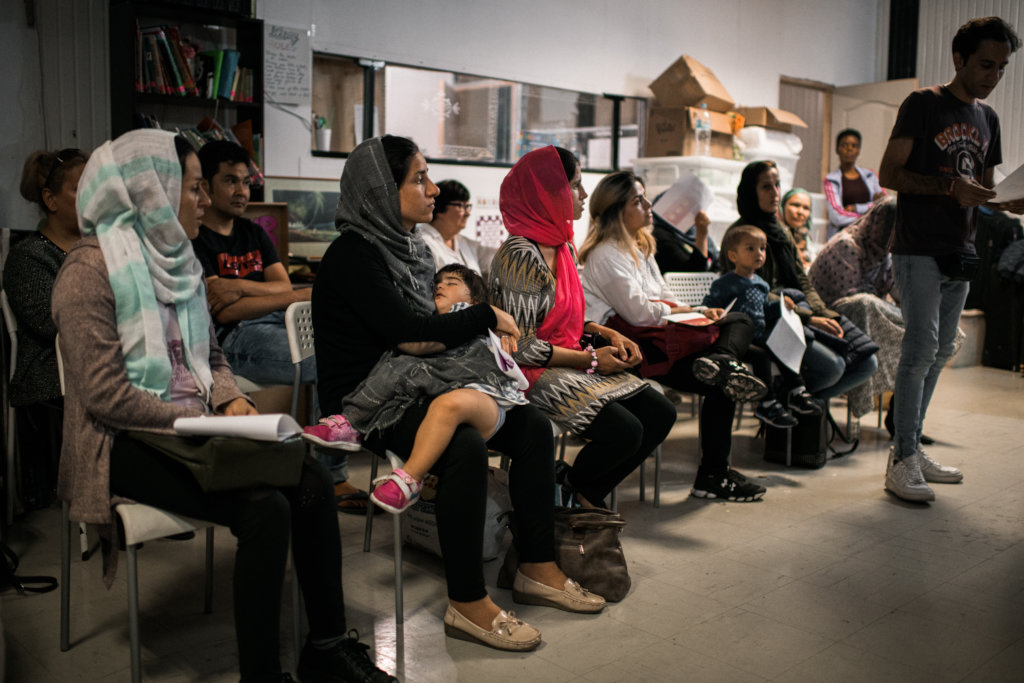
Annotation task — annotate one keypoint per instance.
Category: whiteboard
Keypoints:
(287, 64)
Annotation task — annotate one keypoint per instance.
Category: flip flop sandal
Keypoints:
(351, 509)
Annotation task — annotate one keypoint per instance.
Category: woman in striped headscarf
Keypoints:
(139, 352)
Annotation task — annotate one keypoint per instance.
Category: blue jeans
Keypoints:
(257, 349)
(931, 305)
(826, 375)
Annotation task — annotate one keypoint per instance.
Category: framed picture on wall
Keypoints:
(311, 206)
(273, 218)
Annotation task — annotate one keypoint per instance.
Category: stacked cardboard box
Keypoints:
(680, 91)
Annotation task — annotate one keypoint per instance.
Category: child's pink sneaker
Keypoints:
(396, 492)
(334, 431)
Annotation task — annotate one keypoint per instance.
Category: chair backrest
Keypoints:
(298, 320)
(690, 288)
(12, 328)
(60, 364)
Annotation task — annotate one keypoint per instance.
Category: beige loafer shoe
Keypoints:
(572, 598)
(507, 631)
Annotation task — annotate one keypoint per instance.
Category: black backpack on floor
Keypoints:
(809, 441)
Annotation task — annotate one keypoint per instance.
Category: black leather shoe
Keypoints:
(348, 661)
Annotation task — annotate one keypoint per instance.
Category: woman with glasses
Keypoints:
(50, 181)
(443, 236)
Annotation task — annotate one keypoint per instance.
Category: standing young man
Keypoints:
(940, 159)
(248, 290)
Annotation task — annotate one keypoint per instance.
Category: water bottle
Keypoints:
(702, 132)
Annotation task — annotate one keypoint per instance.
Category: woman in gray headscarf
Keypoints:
(374, 290)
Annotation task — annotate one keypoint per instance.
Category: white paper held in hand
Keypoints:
(787, 338)
(680, 203)
(1011, 187)
(268, 427)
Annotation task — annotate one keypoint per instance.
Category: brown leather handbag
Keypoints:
(587, 549)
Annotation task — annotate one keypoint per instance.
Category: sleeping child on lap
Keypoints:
(474, 384)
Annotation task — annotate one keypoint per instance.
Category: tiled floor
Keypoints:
(827, 579)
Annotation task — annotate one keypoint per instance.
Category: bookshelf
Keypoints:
(210, 29)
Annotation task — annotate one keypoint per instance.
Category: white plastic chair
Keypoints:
(689, 288)
(140, 523)
(10, 421)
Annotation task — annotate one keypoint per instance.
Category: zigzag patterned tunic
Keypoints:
(522, 284)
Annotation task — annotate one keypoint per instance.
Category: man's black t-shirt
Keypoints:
(245, 253)
(951, 139)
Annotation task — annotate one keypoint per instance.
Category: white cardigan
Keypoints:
(613, 283)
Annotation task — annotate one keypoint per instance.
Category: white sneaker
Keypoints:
(940, 474)
(903, 478)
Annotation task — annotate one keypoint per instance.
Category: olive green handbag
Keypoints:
(225, 463)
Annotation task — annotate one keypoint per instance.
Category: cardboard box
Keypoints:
(670, 132)
(688, 83)
(769, 117)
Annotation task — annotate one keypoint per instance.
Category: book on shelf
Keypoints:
(165, 55)
(157, 71)
(148, 66)
(213, 61)
(229, 67)
(182, 55)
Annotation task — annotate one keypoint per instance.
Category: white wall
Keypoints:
(589, 45)
(55, 86)
(20, 111)
(939, 21)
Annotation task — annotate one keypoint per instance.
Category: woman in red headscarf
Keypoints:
(582, 385)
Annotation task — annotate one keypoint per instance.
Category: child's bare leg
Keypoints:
(447, 412)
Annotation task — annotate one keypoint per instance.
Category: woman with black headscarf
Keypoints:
(829, 368)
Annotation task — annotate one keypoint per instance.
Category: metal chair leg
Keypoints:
(133, 613)
(296, 613)
(399, 602)
(643, 482)
(208, 584)
(368, 531)
(65, 577)
(657, 476)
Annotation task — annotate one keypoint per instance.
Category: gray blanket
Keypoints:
(399, 381)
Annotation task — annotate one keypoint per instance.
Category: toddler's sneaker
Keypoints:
(802, 403)
(334, 431)
(775, 415)
(396, 492)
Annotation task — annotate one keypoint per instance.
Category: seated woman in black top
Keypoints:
(49, 180)
(373, 291)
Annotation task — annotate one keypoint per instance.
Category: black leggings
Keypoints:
(716, 416)
(261, 520)
(621, 437)
(462, 491)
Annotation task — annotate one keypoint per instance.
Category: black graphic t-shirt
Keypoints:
(245, 253)
(951, 139)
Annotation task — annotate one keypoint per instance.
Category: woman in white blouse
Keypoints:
(621, 279)
(444, 236)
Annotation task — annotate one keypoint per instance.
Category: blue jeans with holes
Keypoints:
(257, 349)
(931, 305)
